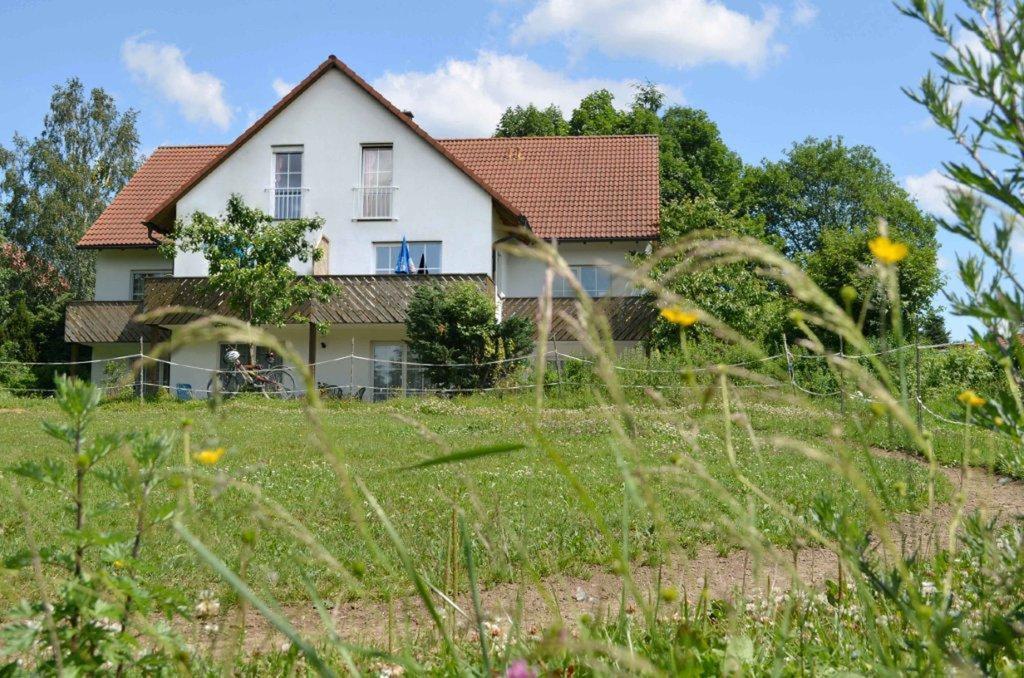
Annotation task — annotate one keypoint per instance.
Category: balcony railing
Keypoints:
(377, 202)
(286, 203)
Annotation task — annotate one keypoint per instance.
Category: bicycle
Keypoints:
(272, 380)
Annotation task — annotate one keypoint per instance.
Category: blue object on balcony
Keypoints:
(404, 265)
(183, 391)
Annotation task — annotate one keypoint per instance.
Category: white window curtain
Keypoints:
(377, 182)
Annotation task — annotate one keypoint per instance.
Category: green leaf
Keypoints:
(465, 455)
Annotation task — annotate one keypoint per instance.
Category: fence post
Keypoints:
(352, 368)
(558, 367)
(917, 385)
(789, 363)
(842, 383)
(142, 371)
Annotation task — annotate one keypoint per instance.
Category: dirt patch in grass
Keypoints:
(735, 575)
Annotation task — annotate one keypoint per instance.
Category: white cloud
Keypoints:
(804, 13)
(929, 189)
(198, 95)
(677, 33)
(466, 98)
(281, 87)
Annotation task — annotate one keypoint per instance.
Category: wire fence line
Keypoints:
(140, 385)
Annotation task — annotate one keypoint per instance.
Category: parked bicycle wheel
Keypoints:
(224, 384)
(279, 384)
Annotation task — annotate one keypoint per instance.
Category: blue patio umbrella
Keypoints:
(404, 265)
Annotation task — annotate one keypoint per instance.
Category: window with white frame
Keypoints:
(396, 372)
(139, 281)
(288, 184)
(596, 280)
(376, 191)
(424, 256)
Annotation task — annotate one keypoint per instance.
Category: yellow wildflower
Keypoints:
(118, 564)
(971, 399)
(209, 457)
(887, 251)
(998, 421)
(679, 316)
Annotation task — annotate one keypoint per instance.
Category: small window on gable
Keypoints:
(288, 184)
(376, 191)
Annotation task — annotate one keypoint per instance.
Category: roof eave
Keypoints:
(117, 246)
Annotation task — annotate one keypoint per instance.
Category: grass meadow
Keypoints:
(520, 500)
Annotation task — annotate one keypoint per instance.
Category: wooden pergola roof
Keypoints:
(630, 318)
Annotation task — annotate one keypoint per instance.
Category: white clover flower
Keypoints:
(208, 605)
(928, 588)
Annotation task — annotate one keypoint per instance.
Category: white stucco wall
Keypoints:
(331, 120)
(196, 362)
(524, 277)
(103, 352)
(114, 271)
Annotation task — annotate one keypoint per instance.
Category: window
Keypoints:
(596, 280)
(376, 192)
(287, 184)
(392, 373)
(425, 257)
(139, 281)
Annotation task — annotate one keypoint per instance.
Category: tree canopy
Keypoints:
(819, 204)
(824, 200)
(532, 122)
(54, 186)
(250, 255)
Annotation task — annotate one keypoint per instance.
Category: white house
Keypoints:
(337, 149)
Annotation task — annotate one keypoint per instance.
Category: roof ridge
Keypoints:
(552, 137)
(192, 146)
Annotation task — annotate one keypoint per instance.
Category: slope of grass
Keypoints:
(524, 508)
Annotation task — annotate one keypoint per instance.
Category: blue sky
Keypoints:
(768, 72)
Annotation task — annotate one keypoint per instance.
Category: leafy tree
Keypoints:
(596, 114)
(695, 162)
(250, 255)
(735, 294)
(455, 325)
(824, 201)
(53, 187)
(32, 300)
(532, 122)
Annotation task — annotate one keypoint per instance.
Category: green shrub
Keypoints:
(453, 328)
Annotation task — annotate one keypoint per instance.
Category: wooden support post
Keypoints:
(74, 361)
(311, 354)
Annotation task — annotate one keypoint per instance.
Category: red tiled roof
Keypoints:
(164, 172)
(573, 188)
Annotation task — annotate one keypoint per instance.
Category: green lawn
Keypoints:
(519, 502)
